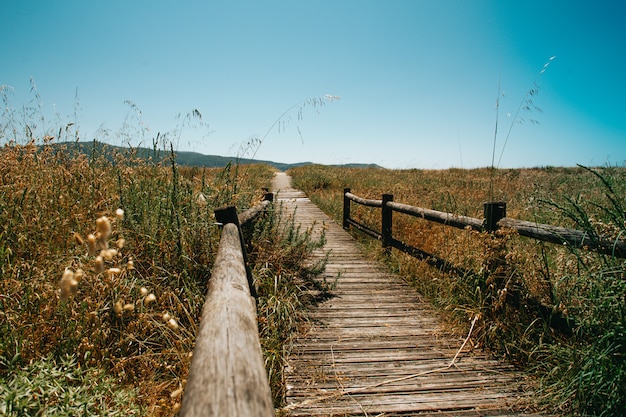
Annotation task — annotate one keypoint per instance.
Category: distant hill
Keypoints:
(183, 158)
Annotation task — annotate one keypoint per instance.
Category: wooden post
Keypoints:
(227, 376)
(227, 215)
(346, 209)
(387, 221)
(493, 212)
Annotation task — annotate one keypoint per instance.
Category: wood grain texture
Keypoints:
(227, 375)
(377, 348)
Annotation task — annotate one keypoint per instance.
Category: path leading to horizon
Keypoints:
(376, 348)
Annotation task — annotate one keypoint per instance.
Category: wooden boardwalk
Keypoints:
(378, 349)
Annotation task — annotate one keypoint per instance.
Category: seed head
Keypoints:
(91, 244)
(118, 307)
(68, 285)
(99, 265)
(119, 213)
(150, 298)
(176, 393)
(108, 254)
(143, 291)
(103, 226)
(172, 324)
(78, 239)
(79, 274)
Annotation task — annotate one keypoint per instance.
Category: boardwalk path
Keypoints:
(377, 349)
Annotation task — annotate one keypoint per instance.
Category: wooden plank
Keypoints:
(377, 348)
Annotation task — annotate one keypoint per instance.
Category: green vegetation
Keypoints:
(559, 312)
(105, 257)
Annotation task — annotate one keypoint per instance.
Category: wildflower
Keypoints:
(143, 291)
(166, 316)
(129, 307)
(114, 271)
(120, 243)
(119, 213)
(201, 200)
(130, 265)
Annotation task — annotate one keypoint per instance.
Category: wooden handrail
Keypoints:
(448, 219)
(364, 201)
(227, 376)
(495, 217)
(565, 236)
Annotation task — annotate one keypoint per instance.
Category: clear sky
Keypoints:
(418, 79)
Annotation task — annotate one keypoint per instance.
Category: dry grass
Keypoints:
(541, 305)
(108, 261)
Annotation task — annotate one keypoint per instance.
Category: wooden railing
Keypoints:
(227, 376)
(494, 218)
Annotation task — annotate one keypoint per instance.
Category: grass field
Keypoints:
(104, 267)
(558, 312)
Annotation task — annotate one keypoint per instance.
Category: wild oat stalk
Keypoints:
(281, 121)
(526, 104)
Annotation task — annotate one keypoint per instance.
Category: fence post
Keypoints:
(226, 215)
(346, 209)
(387, 221)
(493, 212)
(267, 196)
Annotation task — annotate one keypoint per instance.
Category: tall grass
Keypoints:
(526, 105)
(104, 266)
(49, 207)
(557, 311)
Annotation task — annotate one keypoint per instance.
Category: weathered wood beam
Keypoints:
(227, 375)
(449, 219)
(562, 235)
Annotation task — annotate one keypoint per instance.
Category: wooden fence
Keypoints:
(227, 376)
(494, 218)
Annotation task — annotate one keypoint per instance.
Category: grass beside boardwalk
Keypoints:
(104, 266)
(559, 312)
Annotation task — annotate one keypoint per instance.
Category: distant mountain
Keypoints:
(183, 158)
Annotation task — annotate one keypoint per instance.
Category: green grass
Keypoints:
(60, 387)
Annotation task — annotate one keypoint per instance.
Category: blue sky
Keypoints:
(418, 79)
